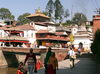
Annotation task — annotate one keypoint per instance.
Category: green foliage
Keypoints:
(66, 14)
(67, 23)
(45, 13)
(50, 8)
(79, 19)
(95, 47)
(22, 19)
(5, 14)
(56, 11)
(59, 10)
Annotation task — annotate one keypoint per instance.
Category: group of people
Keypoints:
(50, 62)
(31, 62)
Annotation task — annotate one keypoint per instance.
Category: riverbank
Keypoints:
(83, 64)
(12, 56)
(8, 70)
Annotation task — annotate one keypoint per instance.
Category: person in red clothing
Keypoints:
(31, 61)
(52, 64)
(19, 72)
(39, 64)
(21, 69)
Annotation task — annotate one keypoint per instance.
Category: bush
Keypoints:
(95, 47)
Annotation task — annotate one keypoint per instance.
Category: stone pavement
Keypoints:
(83, 65)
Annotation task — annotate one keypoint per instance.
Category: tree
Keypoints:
(67, 23)
(45, 13)
(11, 17)
(22, 19)
(65, 15)
(56, 11)
(59, 11)
(50, 8)
(95, 47)
(79, 19)
(5, 14)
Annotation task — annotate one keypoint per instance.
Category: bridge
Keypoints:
(13, 55)
(26, 50)
(19, 50)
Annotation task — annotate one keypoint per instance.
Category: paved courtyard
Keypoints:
(83, 65)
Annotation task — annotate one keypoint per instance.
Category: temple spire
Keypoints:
(38, 11)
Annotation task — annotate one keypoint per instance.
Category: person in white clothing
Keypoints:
(72, 57)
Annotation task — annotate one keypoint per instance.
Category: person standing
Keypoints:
(31, 61)
(52, 64)
(47, 59)
(72, 57)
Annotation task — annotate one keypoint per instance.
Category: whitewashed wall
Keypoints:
(25, 33)
(86, 42)
(53, 28)
(74, 30)
(29, 34)
(3, 33)
(39, 27)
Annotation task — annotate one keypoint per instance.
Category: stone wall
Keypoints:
(12, 59)
(3, 62)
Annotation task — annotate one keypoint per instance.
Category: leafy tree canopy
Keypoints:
(67, 23)
(5, 14)
(95, 47)
(50, 8)
(79, 18)
(45, 13)
(56, 11)
(22, 19)
(59, 10)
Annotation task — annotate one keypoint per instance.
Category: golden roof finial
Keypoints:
(38, 11)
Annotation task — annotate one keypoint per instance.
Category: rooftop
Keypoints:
(38, 13)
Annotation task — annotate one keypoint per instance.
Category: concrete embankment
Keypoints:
(12, 56)
(3, 62)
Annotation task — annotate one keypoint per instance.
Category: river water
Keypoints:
(8, 70)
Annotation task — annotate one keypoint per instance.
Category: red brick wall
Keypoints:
(96, 22)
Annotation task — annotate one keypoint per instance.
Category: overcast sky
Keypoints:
(18, 7)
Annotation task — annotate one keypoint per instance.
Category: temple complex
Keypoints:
(40, 32)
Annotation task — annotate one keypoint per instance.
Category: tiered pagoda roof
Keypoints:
(37, 14)
(54, 36)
